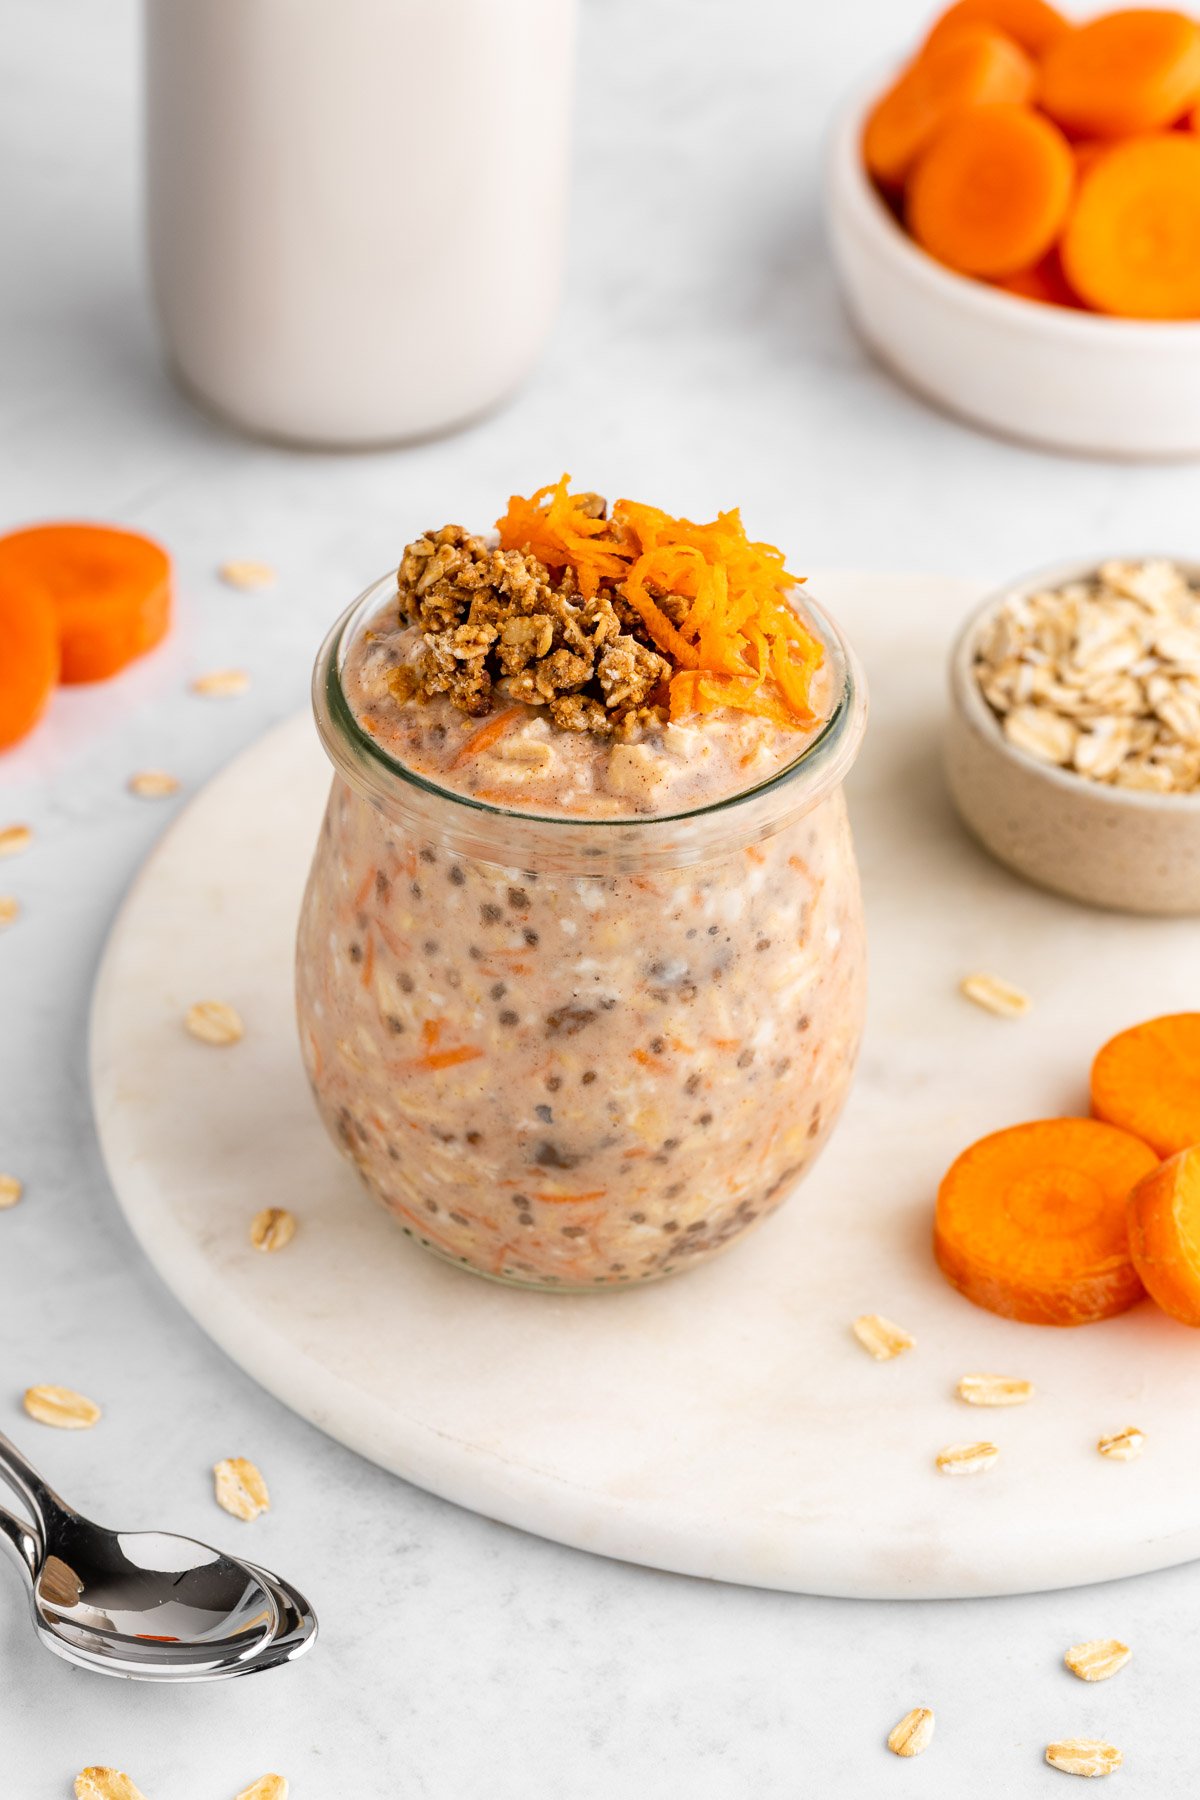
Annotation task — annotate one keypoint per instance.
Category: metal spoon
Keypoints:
(297, 1630)
(147, 1605)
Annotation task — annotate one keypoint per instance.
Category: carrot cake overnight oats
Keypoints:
(581, 964)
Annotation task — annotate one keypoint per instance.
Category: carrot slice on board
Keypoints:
(1164, 1235)
(1132, 243)
(990, 194)
(1031, 1221)
(110, 590)
(28, 660)
(1130, 71)
(973, 66)
(1032, 23)
(1147, 1081)
(1044, 282)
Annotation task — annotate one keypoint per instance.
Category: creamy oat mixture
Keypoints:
(562, 1078)
(532, 764)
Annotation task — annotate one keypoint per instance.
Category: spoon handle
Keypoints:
(24, 1540)
(23, 1478)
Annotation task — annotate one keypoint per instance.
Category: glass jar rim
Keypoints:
(796, 788)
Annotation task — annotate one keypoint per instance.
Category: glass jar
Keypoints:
(579, 1053)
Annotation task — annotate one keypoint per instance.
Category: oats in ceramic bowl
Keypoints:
(1073, 751)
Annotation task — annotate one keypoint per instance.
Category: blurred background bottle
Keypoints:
(357, 208)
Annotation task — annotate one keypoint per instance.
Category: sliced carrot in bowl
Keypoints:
(973, 66)
(109, 589)
(1132, 243)
(1164, 1235)
(1030, 1222)
(1044, 282)
(1147, 1081)
(1032, 23)
(1125, 72)
(991, 193)
(28, 661)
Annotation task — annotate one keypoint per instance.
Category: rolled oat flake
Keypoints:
(99, 1783)
(913, 1734)
(1084, 1756)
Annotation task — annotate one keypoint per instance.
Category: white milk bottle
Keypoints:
(356, 207)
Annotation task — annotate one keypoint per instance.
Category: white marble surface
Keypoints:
(701, 358)
(724, 1425)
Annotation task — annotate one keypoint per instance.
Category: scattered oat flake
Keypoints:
(244, 572)
(1084, 1756)
(9, 908)
(1098, 1659)
(994, 1390)
(967, 1459)
(213, 1022)
(913, 1734)
(272, 1228)
(106, 1784)
(153, 784)
(10, 1191)
(218, 684)
(62, 1407)
(996, 996)
(240, 1488)
(267, 1787)
(1123, 1446)
(880, 1337)
(14, 839)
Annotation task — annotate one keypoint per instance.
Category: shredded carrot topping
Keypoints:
(714, 603)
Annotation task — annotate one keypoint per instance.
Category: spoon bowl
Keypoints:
(146, 1605)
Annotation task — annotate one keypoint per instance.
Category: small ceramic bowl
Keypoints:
(1071, 380)
(1116, 847)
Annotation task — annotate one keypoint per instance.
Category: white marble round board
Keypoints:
(725, 1423)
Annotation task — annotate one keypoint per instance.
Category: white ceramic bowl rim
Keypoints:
(1010, 309)
(967, 694)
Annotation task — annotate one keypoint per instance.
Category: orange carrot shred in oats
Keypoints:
(712, 601)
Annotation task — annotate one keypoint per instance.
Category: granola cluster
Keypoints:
(496, 624)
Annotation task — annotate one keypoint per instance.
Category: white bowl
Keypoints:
(1121, 848)
(1071, 380)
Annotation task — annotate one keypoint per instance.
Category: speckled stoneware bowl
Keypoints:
(1116, 847)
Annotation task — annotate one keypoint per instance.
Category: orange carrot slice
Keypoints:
(1130, 71)
(1044, 282)
(1031, 1221)
(28, 660)
(972, 66)
(1033, 23)
(990, 194)
(1132, 243)
(110, 590)
(1164, 1235)
(1147, 1081)
(1088, 152)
